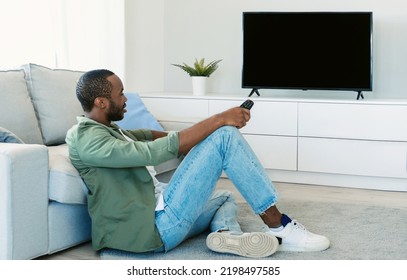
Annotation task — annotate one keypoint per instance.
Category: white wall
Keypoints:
(175, 31)
(144, 21)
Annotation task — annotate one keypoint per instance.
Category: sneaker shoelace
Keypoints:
(299, 225)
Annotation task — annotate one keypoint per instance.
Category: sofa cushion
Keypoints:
(138, 116)
(65, 183)
(17, 112)
(6, 136)
(53, 95)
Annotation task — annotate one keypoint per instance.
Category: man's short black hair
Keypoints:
(91, 85)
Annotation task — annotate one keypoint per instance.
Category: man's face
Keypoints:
(117, 102)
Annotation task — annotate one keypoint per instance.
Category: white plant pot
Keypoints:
(199, 85)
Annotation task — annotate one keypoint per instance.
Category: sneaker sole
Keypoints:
(253, 245)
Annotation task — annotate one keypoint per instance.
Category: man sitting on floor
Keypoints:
(129, 213)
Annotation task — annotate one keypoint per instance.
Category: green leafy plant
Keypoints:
(199, 68)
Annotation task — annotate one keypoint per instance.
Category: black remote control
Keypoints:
(248, 104)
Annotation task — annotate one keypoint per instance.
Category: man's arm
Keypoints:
(158, 134)
(191, 136)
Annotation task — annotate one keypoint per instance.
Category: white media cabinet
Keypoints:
(325, 141)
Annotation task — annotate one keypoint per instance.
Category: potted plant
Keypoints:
(199, 73)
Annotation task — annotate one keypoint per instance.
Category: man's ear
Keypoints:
(100, 102)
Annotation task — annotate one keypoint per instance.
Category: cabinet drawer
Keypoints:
(272, 118)
(275, 152)
(177, 109)
(366, 158)
(353, 121)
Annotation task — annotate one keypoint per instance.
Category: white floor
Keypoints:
(289, 191)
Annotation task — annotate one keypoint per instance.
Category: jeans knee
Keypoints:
(225, 194)
(228, 129)
(227, 134)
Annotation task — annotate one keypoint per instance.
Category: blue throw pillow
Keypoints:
(6, 136)
(137, 115)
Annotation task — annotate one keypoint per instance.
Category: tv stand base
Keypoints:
(255, 90)
(360, 94)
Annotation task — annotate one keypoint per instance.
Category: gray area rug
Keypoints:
(356, 232)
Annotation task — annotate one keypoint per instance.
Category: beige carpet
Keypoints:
(357, 232)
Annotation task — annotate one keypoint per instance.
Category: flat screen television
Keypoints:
(307, 51)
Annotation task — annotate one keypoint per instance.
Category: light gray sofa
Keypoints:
(42, 200)
(42, 197)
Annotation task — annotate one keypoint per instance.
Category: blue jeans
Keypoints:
(191, 204)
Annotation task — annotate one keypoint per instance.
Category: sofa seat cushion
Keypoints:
(65, 183)
(17, 112)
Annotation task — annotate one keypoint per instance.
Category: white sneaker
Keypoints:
(294, 237)
(253, 245)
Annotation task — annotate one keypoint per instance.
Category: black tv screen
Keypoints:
(307, 50)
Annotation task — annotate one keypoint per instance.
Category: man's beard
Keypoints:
(115, 113)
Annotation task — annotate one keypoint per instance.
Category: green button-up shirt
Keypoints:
(121, 198)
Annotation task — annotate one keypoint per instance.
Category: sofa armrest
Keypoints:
(23, 200)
